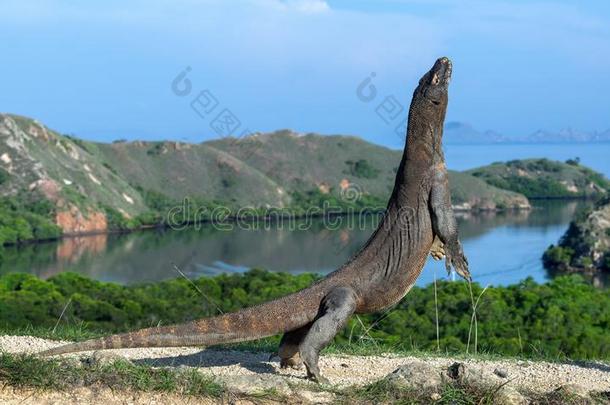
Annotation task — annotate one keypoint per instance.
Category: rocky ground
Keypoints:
(248, 373)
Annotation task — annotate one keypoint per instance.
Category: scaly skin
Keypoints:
(418, 220)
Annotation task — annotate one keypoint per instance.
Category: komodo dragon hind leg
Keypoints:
(335, 310)
(289, 347)
(437, 251)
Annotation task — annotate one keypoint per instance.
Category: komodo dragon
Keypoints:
(418, 220)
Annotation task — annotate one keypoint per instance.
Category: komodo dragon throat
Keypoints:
(418, 220)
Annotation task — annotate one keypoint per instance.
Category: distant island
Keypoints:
(457, 133)
(54, 184)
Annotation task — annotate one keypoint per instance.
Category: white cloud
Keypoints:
(308, 6)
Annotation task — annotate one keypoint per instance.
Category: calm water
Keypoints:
(502, 249)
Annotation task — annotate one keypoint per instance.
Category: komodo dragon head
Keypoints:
(433, 85)
(430, 101)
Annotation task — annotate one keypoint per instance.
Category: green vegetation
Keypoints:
(117, 222)
(543, 178)
(558, 256)
(4, 176)
(22, 220)
(107, 166)
(362, 169)
(315, 199)
(156, 149)
(563, 318)
(479, 194)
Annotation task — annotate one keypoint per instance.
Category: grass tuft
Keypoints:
(28, 371)
(384, 391)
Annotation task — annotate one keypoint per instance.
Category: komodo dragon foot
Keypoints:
(288, 351)
(455, 257)
(437, 250)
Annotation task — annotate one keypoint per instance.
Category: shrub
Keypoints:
(4, 176)
(22, 220)
(557, 256)
(362, 169)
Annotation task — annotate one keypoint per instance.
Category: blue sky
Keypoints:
(104, 69)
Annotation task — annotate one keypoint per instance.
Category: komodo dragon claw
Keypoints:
(437, 250)
(455, 257)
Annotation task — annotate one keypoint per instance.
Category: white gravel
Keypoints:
(341, 370)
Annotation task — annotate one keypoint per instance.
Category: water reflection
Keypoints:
(503, 248)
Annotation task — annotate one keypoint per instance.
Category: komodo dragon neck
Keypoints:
(390, 262)
(379, 275)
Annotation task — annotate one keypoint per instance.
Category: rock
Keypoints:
(435, 396)
(500, 372)
(316, 397)
(472, 375)
(256, 384)
(102, 358)
(416, 374)
(573, 391)
(509, 396)
(483, 379)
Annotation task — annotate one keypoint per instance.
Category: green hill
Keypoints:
(543, 178)
(83, 186)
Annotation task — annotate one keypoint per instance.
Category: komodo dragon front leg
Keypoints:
(444, 224)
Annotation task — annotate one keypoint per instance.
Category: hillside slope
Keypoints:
(302, 162)
(93, 187)
(35, 159)
(180, 170)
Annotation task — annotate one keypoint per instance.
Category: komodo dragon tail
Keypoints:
(268, 319)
